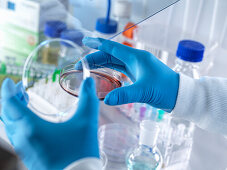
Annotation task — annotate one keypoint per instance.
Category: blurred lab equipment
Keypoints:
(122, 12)
(21, 33)
(106, 27)
(146, 156)
(52, 30)
(68, 51)
(140, 10)
(115, 141)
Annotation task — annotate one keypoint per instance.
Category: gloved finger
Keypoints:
(123, 95)
(120, 51)
(116, 67)
(99, 59)
(88, 104)
(8, 89)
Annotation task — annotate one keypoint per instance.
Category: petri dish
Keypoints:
(106, 79)
(115, 140)
(41, 77)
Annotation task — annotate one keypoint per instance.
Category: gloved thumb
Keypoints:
(88, 105)
(123, 95)
(8, 89)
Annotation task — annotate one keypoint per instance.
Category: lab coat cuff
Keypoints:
(185, 95)
(86, 163)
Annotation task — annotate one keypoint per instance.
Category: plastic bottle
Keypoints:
(69, 53)
(189, 55)
(146, 156)
(106, 27)
(122, 10)
(52, 30)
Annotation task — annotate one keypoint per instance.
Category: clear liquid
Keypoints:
(140, 166)
(71, 81)
(144, 158)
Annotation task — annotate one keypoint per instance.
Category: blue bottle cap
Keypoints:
(53, 29)
(106, 27)
(75, 36)
(191, 51)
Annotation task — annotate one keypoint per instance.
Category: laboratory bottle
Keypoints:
(52, 30)
(68, 52)
(189, 55)
(146, 155)
(122, 10)
(106, 28)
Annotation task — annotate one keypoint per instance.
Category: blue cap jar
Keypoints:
(73, 35)
(191, 51)
(53, 29)
(106, 27)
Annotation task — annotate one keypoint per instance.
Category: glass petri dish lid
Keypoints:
(106, 79)
(115, 140)
(41, 77)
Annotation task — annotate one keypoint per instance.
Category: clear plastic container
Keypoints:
(188, 68)
(41, 80)
(115, 140)
(181, 132)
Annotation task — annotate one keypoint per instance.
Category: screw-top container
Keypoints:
(53, 29)
(189, 55)
(106, 28)
(122, 10)
(73, 35)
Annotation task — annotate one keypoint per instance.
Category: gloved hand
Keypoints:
(45, 145)
(154, 82)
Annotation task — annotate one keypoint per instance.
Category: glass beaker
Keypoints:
(41, 77)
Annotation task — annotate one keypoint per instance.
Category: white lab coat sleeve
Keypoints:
(204, 102)
(86, 164)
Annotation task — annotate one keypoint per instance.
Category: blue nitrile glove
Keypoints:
(45, 145)
(154, 82)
